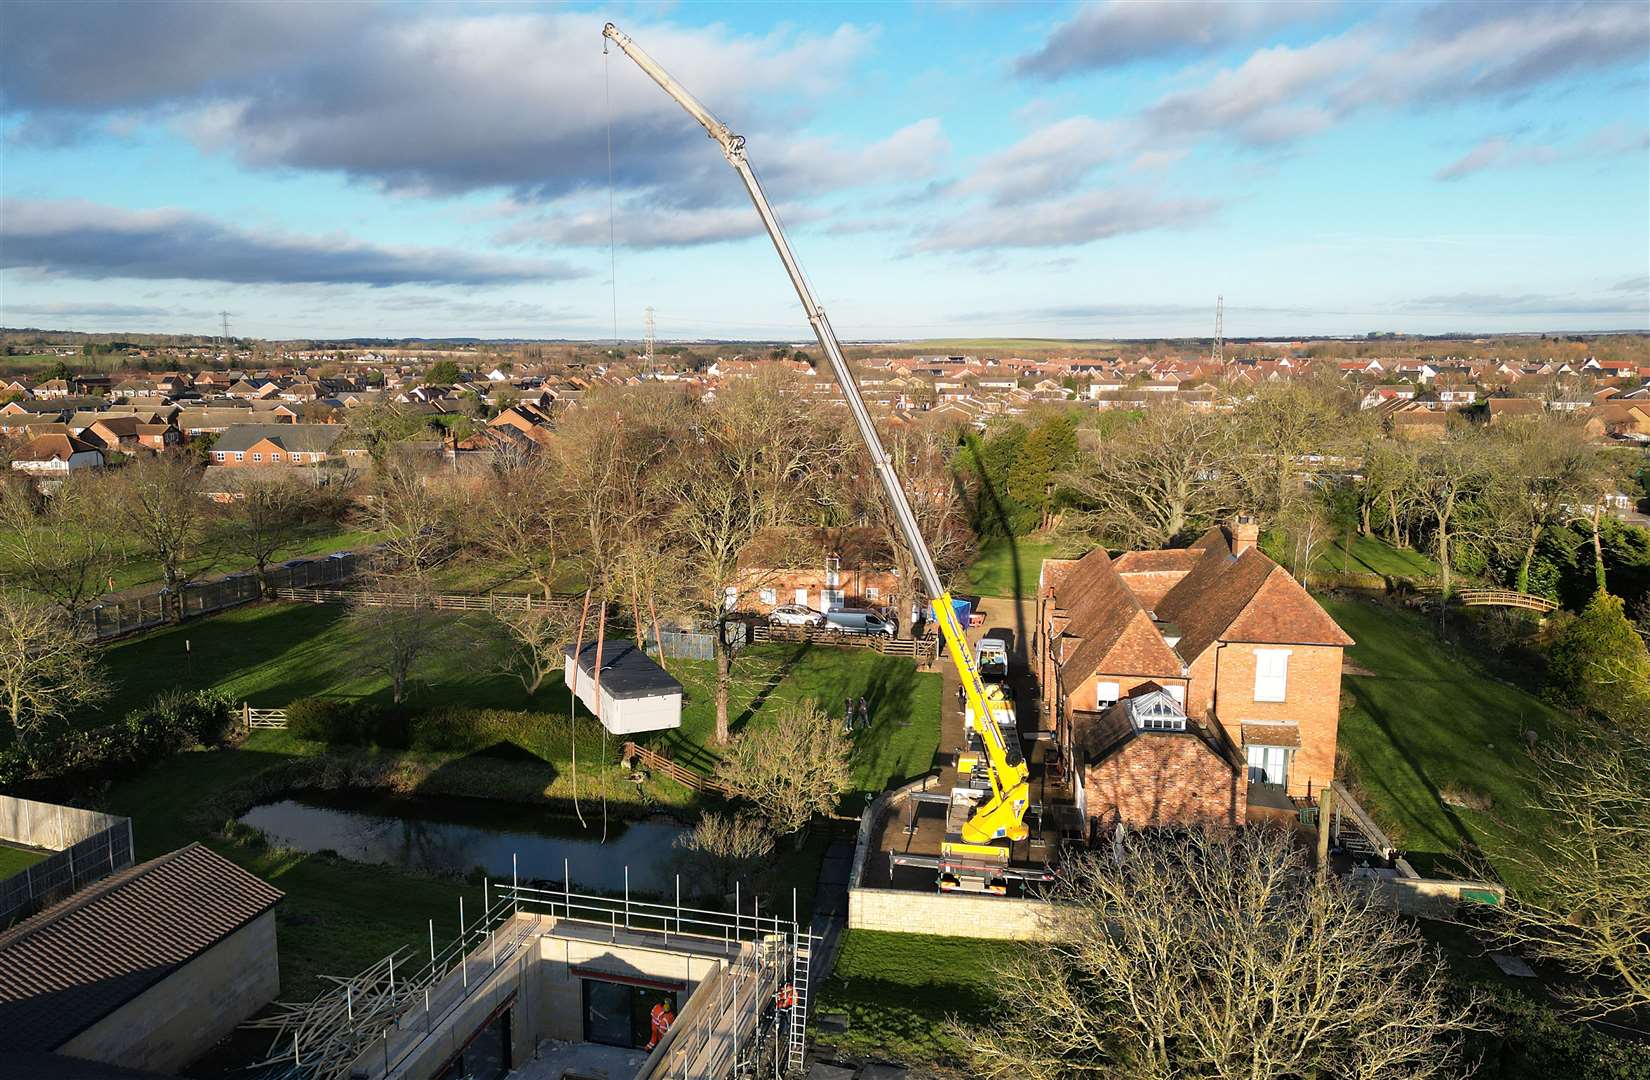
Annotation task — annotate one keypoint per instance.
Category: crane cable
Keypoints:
(612, 247)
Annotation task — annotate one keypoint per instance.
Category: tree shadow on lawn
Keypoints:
(1379, 716)
(503, 770)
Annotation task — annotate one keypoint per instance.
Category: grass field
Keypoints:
(14, 859)
(898, 990)
(1372, 555)
(1432, 722)
(1010, 566)
(271, 654)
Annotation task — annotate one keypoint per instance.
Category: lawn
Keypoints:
(14, 859)
(904, 706)
(1009, 566)
(1372, 555)
(898, 990)
(270, 654)
(1432, 722)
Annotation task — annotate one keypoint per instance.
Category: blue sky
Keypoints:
(946, 169)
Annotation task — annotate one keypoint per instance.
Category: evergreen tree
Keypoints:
(1599, 663)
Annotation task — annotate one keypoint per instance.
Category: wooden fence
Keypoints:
(442, 601)
(922, 650)
(698, 781)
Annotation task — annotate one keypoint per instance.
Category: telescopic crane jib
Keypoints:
(1002, 816)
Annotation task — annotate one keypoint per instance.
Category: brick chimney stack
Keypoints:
(1245, 532)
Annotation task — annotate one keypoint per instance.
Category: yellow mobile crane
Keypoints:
(1001, 816)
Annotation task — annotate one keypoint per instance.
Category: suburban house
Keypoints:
(815, 567)
(56, 455)
(275, 444)
(1196, 685)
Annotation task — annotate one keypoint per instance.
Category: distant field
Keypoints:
(30, 363)
(1013, 343)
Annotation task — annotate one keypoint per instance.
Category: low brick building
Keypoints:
(243, 445)
(1237, 645)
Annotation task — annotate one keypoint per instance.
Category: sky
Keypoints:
(1102, 170)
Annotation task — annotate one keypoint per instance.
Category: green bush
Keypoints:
(1529, 1040)
(346, 722)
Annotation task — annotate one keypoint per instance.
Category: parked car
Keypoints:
(847, 621)
(795, 615)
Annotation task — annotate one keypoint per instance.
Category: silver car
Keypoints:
(795, 615)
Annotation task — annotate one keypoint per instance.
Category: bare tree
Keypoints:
(521, 516)
(379, 428)
(537, 635)
(1546, 471)
(396, 627)
(1278, 426)
(61, 549)
(46, 670)
(1212, 956)
(413, 515)
(721, 849)
(158, 501)
(921, 456)
(1448, 478)
(1585, 905)
(1155, 480)
(263, 517)
(791, 769)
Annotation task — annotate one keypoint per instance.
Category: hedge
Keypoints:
(175, 720)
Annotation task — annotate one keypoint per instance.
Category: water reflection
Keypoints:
(455, 835)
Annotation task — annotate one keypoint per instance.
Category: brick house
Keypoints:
(1248, 660)
(816, 567)
(56, 455)
(243, 445)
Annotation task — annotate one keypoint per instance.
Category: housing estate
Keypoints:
(1191, 685)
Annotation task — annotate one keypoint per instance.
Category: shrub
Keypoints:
(346, 722)
(1529, 1040)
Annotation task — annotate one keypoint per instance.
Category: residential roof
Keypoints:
(53, 448)
(1113, 632)
(627, 672)
(1248, 598)
(304, 438)
(1104, 734)
(79, 960)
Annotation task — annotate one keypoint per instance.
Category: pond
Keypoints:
(455, 835)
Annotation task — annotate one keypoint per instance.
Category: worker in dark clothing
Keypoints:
(864, 713)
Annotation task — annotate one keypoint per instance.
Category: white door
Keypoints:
(1268, 765)
(802, 597)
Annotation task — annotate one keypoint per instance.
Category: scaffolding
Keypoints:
(747, 1027)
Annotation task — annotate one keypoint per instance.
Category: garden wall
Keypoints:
(86, 846)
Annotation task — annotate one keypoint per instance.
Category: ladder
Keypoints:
(798, 1037)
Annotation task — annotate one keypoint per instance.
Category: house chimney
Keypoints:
(1245, 532)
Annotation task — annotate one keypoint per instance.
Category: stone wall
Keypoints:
(947, 914)
(185, 1014)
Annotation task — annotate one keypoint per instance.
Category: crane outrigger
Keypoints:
(1002, 815)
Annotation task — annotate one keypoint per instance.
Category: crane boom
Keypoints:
(1001, 816)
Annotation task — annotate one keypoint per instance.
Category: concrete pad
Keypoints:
(822, 1071)
(587, 1061)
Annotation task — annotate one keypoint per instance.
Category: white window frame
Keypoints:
(1272, 686)
(768, 597)
(1106, 694)
(240, 455)
(1178, 693)
(873, 593)
(258, 456)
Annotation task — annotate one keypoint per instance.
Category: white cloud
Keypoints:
(1070, 221)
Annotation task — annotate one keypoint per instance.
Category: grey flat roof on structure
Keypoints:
(627, 672)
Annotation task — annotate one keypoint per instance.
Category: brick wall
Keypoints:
(1312, 699)
(855, 586)
(1164, 778)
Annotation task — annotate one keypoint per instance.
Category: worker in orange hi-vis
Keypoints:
(662, 1019)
